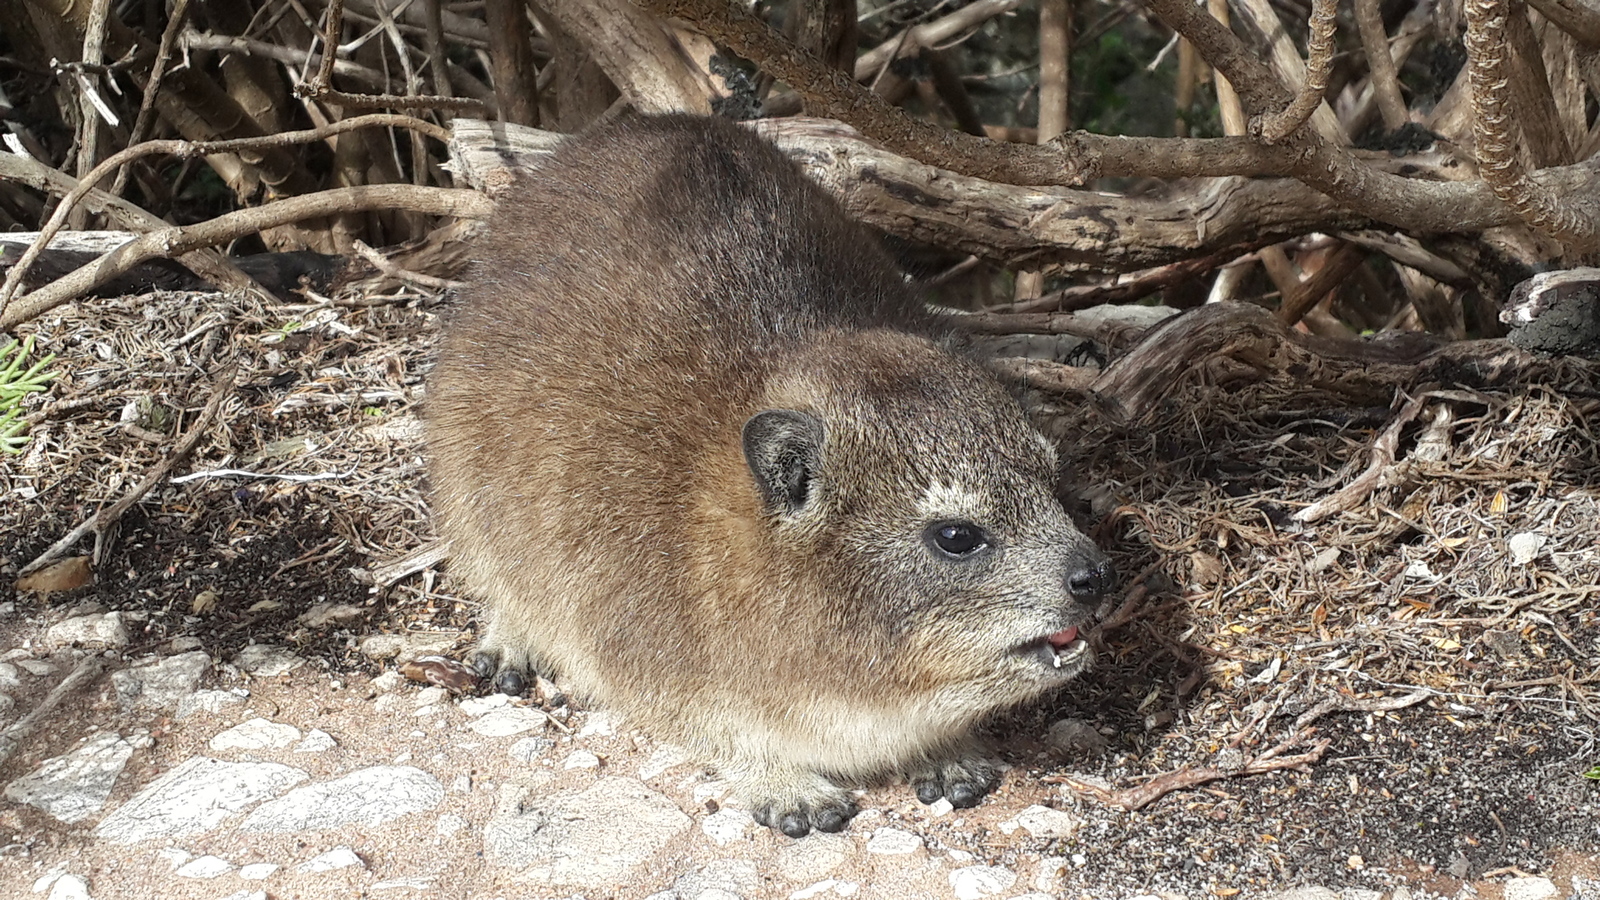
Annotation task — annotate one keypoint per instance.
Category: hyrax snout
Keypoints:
(704, 455)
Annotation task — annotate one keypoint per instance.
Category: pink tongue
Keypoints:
(1063, 638)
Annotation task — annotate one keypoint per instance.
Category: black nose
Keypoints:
(1092, 582)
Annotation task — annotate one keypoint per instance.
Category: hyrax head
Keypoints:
(914, 485)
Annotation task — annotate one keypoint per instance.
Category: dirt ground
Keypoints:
(1435, 648)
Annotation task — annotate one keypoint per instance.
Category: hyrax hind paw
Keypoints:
(511, 673)
(806, 803)
(963, 782)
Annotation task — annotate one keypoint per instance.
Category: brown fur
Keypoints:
(766, 593)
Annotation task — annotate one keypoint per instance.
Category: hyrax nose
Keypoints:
(1091, 582)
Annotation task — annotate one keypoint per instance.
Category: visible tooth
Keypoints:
(1055, 656)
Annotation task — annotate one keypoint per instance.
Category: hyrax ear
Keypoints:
(784, 450)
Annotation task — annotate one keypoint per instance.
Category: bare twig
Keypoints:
(1380, 63)
(173, 240)
(1310, 292)
(152, 87)
(87, 670)
(1342, 703)
(208, 264)
(387, 267)
(1319, 62)
(1183, 779)
(1496, 134)
(1381, 466)
(188, 149)
(105, 517)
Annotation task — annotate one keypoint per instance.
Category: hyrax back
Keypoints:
(702, 453)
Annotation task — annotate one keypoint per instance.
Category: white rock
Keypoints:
(369, 796)
(316, 741)
(257, 871)
(337, 858)
(36, 667)
(10, 677)
(69, 887)
(204, 867)
(174, 856)
(430, 696)
(529, 749)
(598, 724)
(727, 825)
(814, 858)
(581, 759)
(940, 807)
(1529, 887)
(1043, 822)
(1525, 548)
(266, 661)
(162, 685)
(74, 786)
(508, 720)
(194, 797)
(893, 842)
(403, 648)
(977, 882)
(664, 758)
(594, 838)
(7, 703)
(461, 784)
(388, 681)
(477, 706)
(213, 702)
(255, 734)
(449, 824)
(814, 890)
(739, 877)
(97, 630)
(1052, 869)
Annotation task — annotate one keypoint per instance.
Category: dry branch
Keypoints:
(1183, 779)
(172, 240)
(187, 149)
(1225, 342)
(1410, 203)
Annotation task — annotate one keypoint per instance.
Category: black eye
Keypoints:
(957, 539)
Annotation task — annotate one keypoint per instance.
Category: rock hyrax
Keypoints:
(704, 454)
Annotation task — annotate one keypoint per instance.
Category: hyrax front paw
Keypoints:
(798, 805)
(963, 782)
(511, 672)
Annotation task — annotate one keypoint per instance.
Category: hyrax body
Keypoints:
(704, 455)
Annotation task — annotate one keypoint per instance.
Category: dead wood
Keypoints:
(1231, 343)
(186, 149)
(1406, 202)
(173, 240)
(1067, 229)
(1183, 779)
(641, 59)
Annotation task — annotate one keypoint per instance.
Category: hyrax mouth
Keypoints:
(1063, 651)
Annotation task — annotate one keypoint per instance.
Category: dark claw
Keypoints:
(965, 794)
(484, 664)
(929, 792)
(510, 682)
(794, 825)
(834, 818)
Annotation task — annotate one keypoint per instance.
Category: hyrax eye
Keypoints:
(957, 539)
